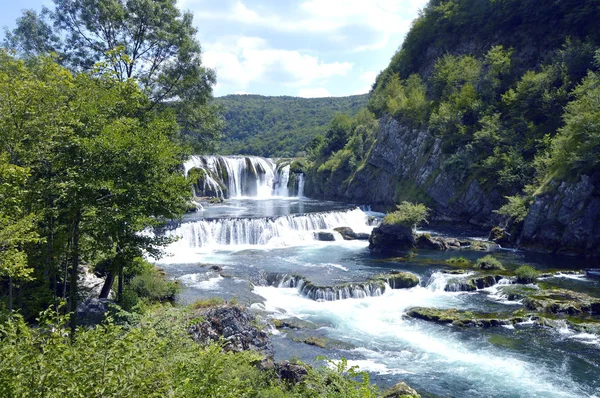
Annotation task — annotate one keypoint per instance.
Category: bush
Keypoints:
(526, 274)
(489, 263)
(207, 303)
(407, 214)
(154, 286)
(459, 262)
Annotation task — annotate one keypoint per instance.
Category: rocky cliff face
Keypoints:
(408, 164)
(566, 218)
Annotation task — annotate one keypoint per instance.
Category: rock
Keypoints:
(290, 372)
(499, 235)
(562, 301)
(235, 325)
(349, 234)
(399, 280)
(468, 318)
(472, 284)
(391, 238)
(324, 236)
(565, 218)
(89, 285)
(425, 241)
(293, 323)
(216, 268)
(401, 390)
(92, 311)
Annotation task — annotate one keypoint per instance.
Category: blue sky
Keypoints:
(308, 48)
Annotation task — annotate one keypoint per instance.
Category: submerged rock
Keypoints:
(561, 301)
(235, 324)
(401, 390)
(399, 280)
(468, 318)
(391, 238)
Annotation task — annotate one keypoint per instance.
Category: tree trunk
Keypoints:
(120, 295)
(108, 283)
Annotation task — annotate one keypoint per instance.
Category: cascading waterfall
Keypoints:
(243, 176)
(330, 293)
(278, 231)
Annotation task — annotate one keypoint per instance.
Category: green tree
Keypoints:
(149, 40)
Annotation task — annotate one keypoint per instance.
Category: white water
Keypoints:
(284, 231)
(394, 345)
(244, 176)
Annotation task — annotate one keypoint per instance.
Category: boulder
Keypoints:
(291, 372)
(324, 236)
(468, 318)
(235, 324)
(349, 234)
(499, 235)
(391, 238)
(401, 390)
(92, 311)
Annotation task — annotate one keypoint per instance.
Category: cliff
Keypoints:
(408, 164)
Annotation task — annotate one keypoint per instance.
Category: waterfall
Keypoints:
(242, 176)
(300, 185)
(329, 293)
(277, 231)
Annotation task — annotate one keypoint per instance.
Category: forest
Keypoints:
(278, 126)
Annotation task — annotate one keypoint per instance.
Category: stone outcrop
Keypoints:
(399, 279)
(566, 218)
(92, 311)
(467, 318)
(291, 372)
(561, 301)
(235, 325)
(389, 238)
(408, 164)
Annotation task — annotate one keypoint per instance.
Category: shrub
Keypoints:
(526, 274)
(407, 214)
(207, 303)
(489, 263)
(152, 285)
(459, 262)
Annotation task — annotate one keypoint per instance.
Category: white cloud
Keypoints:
(387, 18)
(368, 76)
(241, 60)
(318, 92)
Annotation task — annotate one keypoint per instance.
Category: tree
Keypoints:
(147, 40)
(17, 228)
(103, 165)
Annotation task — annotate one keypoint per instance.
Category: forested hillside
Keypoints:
(278, 126)
(486, 112)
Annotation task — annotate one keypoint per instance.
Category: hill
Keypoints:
(489, 113)
(278, 126)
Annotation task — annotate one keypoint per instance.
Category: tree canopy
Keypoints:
(150, 41)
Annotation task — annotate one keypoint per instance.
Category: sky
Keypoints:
(306, 48)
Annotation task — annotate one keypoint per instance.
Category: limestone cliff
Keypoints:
(408, 164)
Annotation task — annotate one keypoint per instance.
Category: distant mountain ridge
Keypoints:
(278, 126)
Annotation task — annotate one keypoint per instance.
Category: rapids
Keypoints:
(273, 261)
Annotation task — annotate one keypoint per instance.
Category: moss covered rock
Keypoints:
(468, 318)
(399, 280)
(401, 390)
(562, 301)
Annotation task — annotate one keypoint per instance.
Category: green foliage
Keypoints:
(488, 263)
(405, 100)
(150, 41)
(459, 262)
(407, 214)
(279, 126)
(516, 209)
(154, 286)
(155, 358)
(96, 164)
(207, 303)
(576, 148)
(526, 274)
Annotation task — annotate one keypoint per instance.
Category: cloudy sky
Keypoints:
(308, 48)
